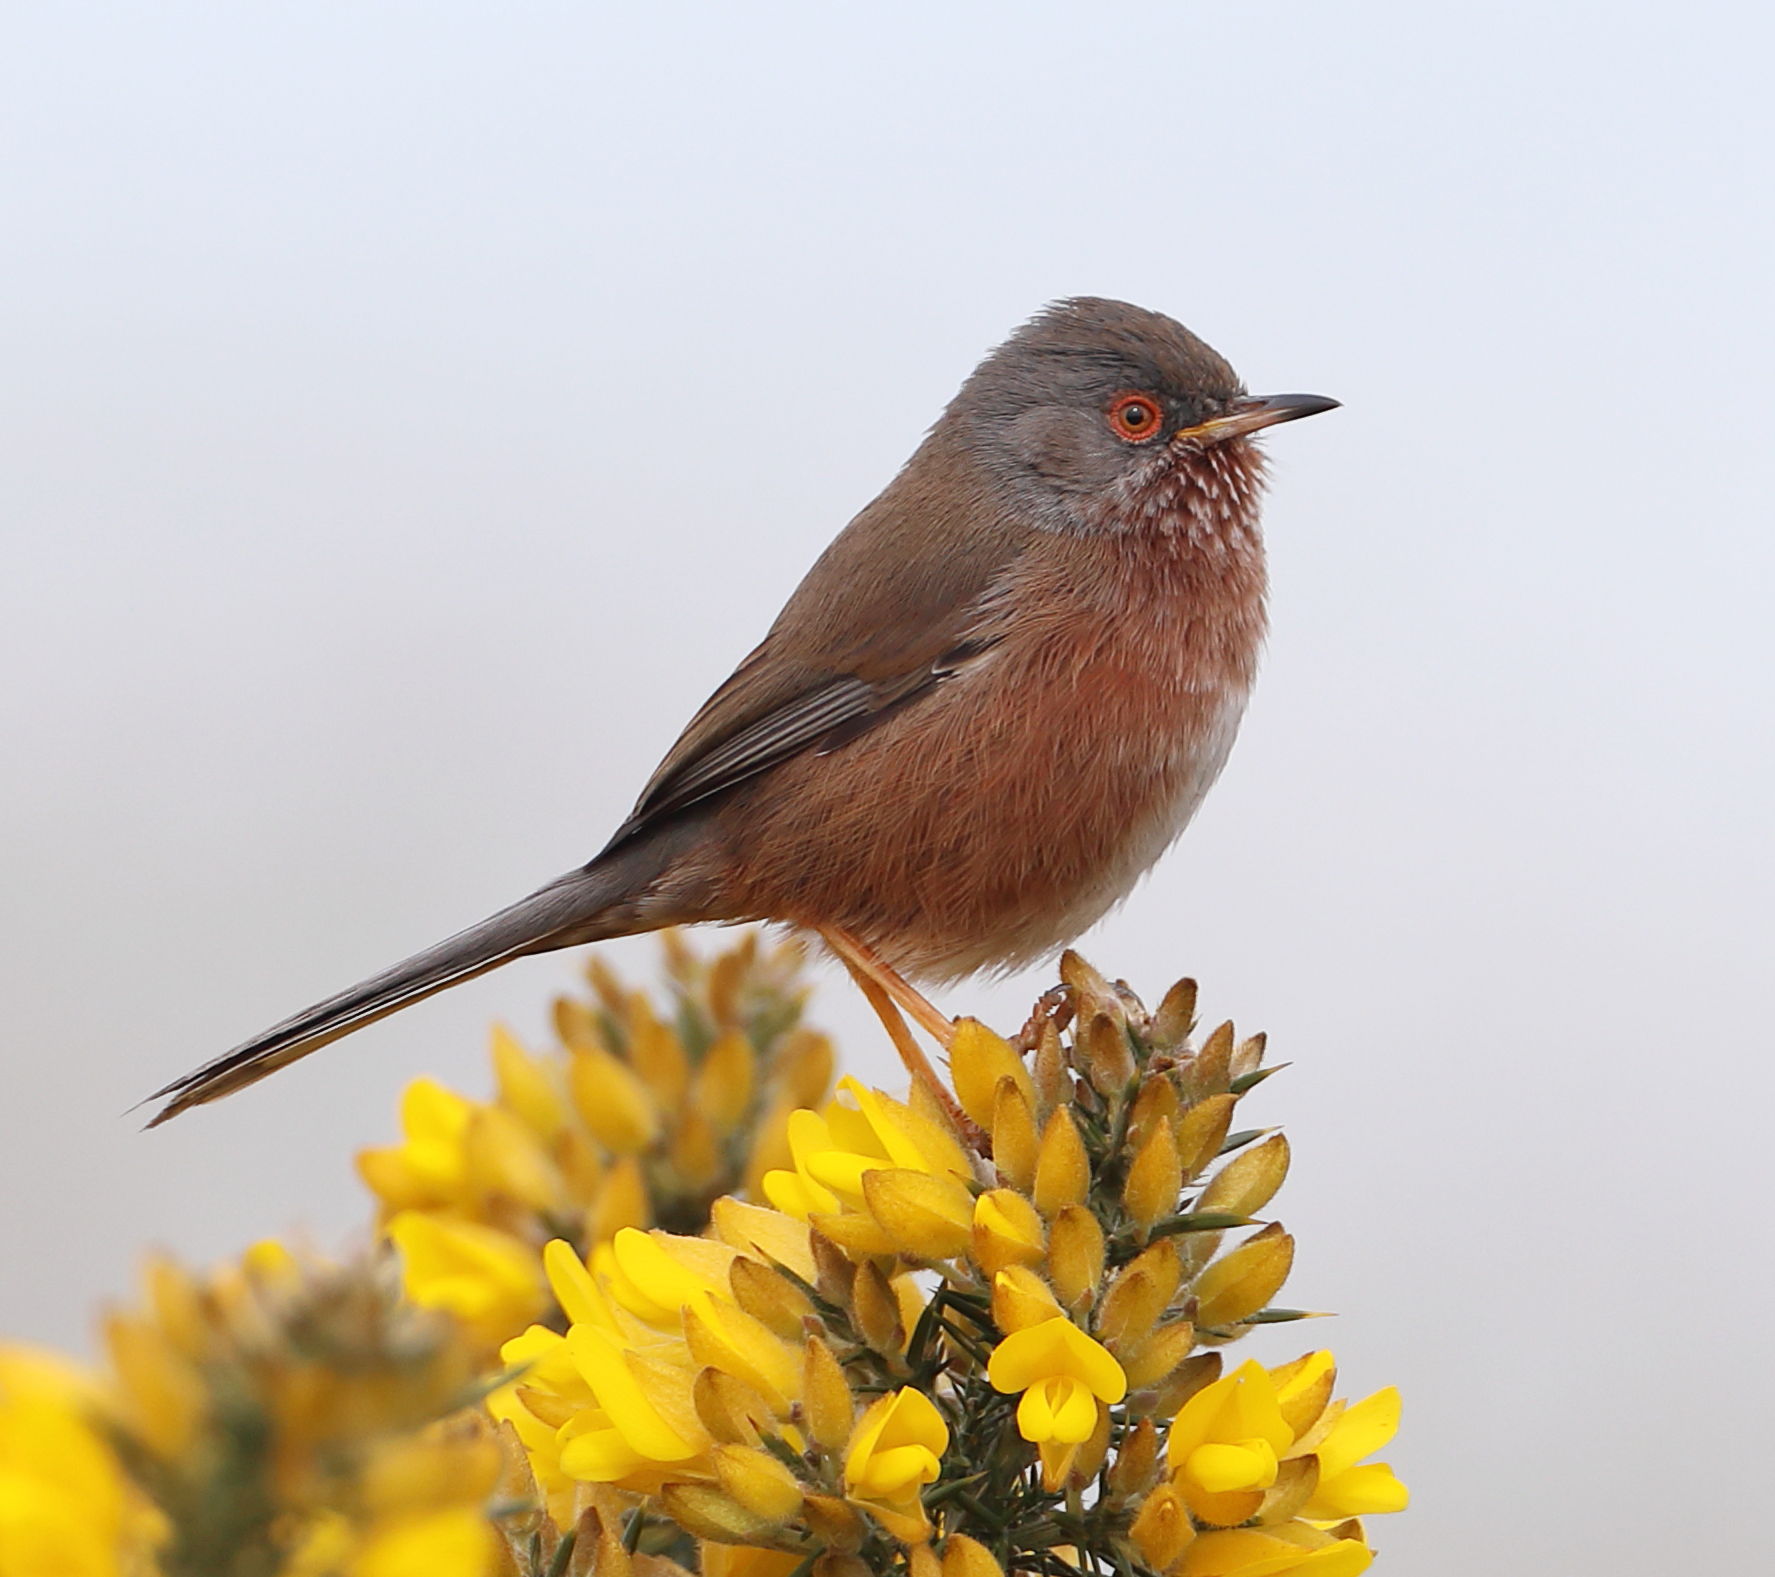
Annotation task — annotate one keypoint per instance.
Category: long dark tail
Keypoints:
(587, 905)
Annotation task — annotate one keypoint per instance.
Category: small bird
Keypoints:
(993, 702)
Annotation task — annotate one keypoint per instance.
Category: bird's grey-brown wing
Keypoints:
(742, 742)
(889, 611)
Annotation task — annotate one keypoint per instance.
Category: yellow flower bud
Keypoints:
(832, 1524)
(1007, 1230)
(608, 984)
(656, 1054)
(621, 1202)
(1014, 1141)
(711, 1513)
(581, 1160)
(804, 1067)
(1162, 1528)
(1139, 1295)
(858, 1235)
(727, 976)
(1084, 980)
(1157, 1098)
(576, 1023)
(1202, 1131)
(1242, 1282)
(726, 1081)
(826, 1395)
(1194, 1374)
(1156, 1177)
(1209, 1072)
(1151, 1361)
(505, 1158)
(525, 1087)
(770, 1150)
(965, 1557)
(1303, 1391)
(1247, 1056)
(177, 1305)
(768, 1297)
(910, 1297)
(1062, 1171)
(1136, 1461)
(612, 1101)
(758, 1482)
(1020, 1298)
(695, 1151)
(1107, 1053)
(1176, 1015)
(877, 1310)
(1249, 1181)
(1075, 1256)
(766, 1234)
(1053, 1085)
(730, 1410)
(929, 1216)
(456, 1539)
(921, 1561)
(978, 1059)
(834, 1273)
(722, 1334)
(163, 1397)
(428, 1471)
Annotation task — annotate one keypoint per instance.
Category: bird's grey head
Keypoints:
(1099, 415)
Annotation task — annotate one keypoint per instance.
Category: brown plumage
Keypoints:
(991, 704)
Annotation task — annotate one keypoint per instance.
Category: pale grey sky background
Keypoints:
(412, 411)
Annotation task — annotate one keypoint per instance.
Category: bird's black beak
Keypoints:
(1251, 413)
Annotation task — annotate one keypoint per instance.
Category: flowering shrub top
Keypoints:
(663, 1306)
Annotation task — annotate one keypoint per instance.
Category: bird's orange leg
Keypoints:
(872, 977)
(860, 958)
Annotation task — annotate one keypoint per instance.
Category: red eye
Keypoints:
(1135, 417)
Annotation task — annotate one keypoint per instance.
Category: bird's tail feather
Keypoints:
(584, 906)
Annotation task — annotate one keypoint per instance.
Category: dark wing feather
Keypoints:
(791, 727)
(827, 714)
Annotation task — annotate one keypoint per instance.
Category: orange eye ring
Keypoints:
(1136, 417)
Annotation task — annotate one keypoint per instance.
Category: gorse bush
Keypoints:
(663, 1303)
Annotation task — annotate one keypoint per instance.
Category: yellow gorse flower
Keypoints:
(896, 1450)
(66, 1505)
(1065, 1378)
(632, 1120)
(483, 1277)
(876, 1176)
